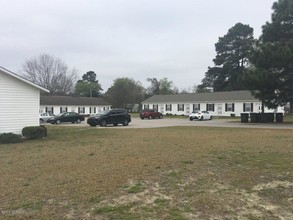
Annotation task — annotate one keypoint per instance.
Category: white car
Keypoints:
(200, 115)
(45, 116)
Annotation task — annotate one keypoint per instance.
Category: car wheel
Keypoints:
(92, 125)
(58, 122)
(125, 122)
(201, 118)
(211, 117)
(161, 116)
(115, 124)
(141, 118)
(150, 117)
(41, 120)
(103, 123)
(190, 118)
(78, 121)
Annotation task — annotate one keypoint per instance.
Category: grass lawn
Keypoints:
(162, 173)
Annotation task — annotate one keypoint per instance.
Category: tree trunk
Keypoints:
(262, 106)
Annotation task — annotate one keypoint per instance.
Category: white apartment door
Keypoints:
(219, 108)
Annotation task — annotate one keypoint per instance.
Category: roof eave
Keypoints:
(23, 79)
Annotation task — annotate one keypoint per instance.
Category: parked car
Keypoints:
(111, 116)
(45, 116)
(150, 114)
(200, 115)
(72, 117)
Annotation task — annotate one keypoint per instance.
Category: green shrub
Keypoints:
(34, 132)
(7, 138)
(45, 131)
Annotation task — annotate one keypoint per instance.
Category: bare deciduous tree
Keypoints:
(51, 73)
(161, 87)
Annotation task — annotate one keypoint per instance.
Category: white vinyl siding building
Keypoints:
(19, 102)
(217, 103)
(81, 105)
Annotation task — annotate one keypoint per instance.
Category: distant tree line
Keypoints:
(52, 73)
(264, 66)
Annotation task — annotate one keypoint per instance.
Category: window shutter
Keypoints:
(198, 106)
(83, 110)
(66, 109)
(251, 107)
(78, 109)
(46, 109)
(226, 107)
(207, 107)
(213, 107)
(243, 107)
(60, 109)
(233, 107)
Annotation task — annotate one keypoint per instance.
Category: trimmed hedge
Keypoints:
(8, 138)
(34, 132)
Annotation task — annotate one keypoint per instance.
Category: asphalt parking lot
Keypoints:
(167, 122)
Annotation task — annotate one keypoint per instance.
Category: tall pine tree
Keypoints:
(232, 59)
(273, 59)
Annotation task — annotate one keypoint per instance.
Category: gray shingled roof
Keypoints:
(203, 97)
(71, 100)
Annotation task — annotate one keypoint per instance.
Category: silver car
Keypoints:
(45, 116)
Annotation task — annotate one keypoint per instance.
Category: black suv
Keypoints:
(111, 116)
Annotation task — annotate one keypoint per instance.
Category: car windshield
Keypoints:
(104, 112)
(196, 112)
(147, 110)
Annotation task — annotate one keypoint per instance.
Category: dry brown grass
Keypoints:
(163, 173)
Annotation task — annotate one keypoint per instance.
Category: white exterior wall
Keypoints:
(219, 108)
(19, 105)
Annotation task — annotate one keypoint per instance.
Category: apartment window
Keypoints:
(180, 107)
(63, 109)
(146, 106)
(247, 107)
(196, 107)
(81, 110)
(229, 107)
(168, 107)
(155, 107)
(50, 110)
(92, 110)
(210, 107)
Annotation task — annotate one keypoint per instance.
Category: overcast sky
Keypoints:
(138, 39)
